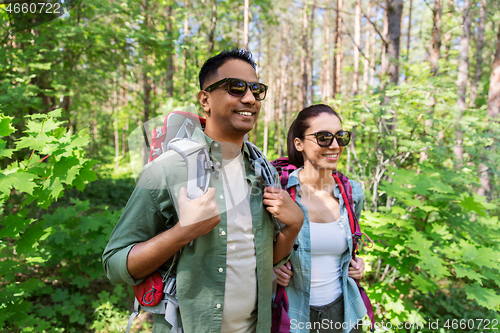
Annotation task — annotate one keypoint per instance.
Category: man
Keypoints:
(224, 278)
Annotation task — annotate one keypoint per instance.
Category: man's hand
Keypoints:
(284, 273)
(279, 203)
(357, 268)
(197, 216)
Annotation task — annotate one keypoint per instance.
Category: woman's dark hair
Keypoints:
(211, 66)
(299, 128)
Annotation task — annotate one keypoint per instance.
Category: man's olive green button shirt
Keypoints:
(201, 270)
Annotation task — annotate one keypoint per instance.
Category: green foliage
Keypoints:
(437, 243)
(51, 260)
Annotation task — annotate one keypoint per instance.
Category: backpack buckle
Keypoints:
(159, 132)
(156, 152)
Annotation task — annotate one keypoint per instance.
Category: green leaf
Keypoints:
(13, 224)
(6, 127)
(30, 237)
(483, 296)
(423, 284)
(5, 152)
(464, 271)
(36, 143)
(43, 66)
(470, 204)
(440, 187)
(21, 181)
(60, 295)
(56, 113)
(442, 231)
(432, 264)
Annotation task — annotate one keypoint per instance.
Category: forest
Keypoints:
(416, 81)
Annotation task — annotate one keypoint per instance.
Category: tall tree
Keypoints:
(408, 39)
(493, 111)
(366, 64)
(303, 69)
(373, 53)
(463, 74)
(385, 31)
(170, 50)
(339, 51)
(211, 36)
(434, 52)
(357, 44)
(245, 24)
(394, 12)
(309, 52)
(325, 72)
(479, 52)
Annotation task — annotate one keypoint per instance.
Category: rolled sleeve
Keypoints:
(116, 267)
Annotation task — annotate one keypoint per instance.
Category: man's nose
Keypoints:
(248, 97)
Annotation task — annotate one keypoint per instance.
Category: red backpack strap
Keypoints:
(348, 206)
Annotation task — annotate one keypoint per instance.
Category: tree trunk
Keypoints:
(373, 54)
(310, 79)
(211, 37)
(325, 86)
(408, 38)
(479, 53)
(447, 37)
(383, 56)
(394, 13)
(170, 52)
(259, 49)
(186, 33)
(357, 42)
(245, 25)
(304, 53)
(463, 71)
(436, 36)
(366, 61)
(339, 52)
(493, 111)
(493, 108)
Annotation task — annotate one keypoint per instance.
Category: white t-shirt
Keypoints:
(328, 243)
(240, 298)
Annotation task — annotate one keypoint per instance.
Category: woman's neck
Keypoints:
(316, 178)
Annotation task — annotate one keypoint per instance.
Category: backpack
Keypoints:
(285, 168)
(175, 134)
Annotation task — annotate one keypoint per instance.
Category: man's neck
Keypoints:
(225, 138)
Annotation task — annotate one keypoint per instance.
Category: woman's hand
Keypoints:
(284, 273)
(357, 268)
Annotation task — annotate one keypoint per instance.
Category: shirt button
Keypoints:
(218, 306)
(216, 145)
(221, 269)
(221, 196)
(223, 233)
(217, 163)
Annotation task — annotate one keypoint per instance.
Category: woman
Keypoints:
(322, 294)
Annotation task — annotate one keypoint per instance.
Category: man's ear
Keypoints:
(298, 144)
(203, 98)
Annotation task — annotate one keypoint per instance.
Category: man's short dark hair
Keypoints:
(211, 66)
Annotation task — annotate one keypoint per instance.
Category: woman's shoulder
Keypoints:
(357, 189)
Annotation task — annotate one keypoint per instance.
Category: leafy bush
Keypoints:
(437, 243)
(52, 277)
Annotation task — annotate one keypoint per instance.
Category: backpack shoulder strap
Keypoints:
(263, 168)
(353, 220)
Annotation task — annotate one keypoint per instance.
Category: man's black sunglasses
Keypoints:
(238, 88)
(325, 138)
